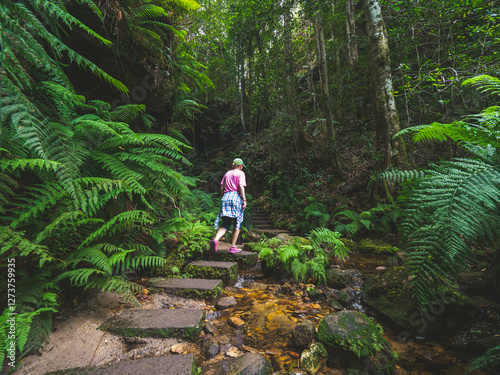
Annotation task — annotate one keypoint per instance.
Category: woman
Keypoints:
(233, 203)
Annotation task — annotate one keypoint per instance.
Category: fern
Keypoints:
(455, 204)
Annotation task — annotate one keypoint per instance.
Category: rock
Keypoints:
(235, 322)
(177, 349)
(211, 348)
(389, 295)
(334, 304)
(340, 279)
(304, 333)
(356, 338)
(209, 328)
(233, 352)
(381, 268)
(247, 364)
(226, 302)
(476, 338)
(312, 359)
(343, 298)
(376, 247)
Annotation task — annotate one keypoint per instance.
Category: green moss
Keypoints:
(227, 275)
(376, 247)
(171, 267)
(361, 336)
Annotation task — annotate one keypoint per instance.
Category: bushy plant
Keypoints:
(381, 218)
(304, 258)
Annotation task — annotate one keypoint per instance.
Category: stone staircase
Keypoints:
(263, 224)
(208, 279)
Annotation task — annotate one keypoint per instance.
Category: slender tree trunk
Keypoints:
(320, 44)
(352, 46)
(243, 95)
(386, 117)
(291, 99)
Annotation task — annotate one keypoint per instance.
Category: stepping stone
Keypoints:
(245, 259)
(226, 271)
(160, 323)
(189, 288)
(183, 364)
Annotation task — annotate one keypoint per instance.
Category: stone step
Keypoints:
(245, 259)
(160, 323)
(188, 288)
(227, 271)
(182, 364)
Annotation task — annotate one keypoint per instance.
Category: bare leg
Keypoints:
(236, 233)
(222, 231)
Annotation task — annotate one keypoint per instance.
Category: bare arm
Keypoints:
(241, 189)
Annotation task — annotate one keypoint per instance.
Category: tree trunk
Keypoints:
(320, 46)
(386, 115)
(352, 46)
(244, 99)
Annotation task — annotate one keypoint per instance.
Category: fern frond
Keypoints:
(484, 83)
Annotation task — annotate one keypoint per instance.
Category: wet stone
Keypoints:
(171, 365)
(235, 322)
(247, 364)
(211, 348)
(226, 303)
(304, 333)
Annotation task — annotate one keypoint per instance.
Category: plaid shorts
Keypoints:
(231, 207)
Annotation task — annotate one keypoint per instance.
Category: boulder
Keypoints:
(313, 357)
(389, 294)
(247, 364)
(355, 340)
(340, 279)
(304, 333)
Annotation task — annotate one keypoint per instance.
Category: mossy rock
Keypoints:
(340, 279)
(376, 247)
(389, 294)
(209, 270)
(357, 341)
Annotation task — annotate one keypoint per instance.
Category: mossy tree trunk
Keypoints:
(386, 115)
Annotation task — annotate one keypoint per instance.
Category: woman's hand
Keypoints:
(244, 204)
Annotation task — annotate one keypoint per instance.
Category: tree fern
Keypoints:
(455, 203)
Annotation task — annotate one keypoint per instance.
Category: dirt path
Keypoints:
(75, 338)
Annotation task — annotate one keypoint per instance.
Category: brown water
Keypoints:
(271, 310)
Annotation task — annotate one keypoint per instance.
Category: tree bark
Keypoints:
(321, 52)
(352, 46)
(386, 115)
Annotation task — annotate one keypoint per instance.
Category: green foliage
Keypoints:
(81, 193)
(379, 218)
(455, 204)
(488, 361)
(303, 258)
(192, 236)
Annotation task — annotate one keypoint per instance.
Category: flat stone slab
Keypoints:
(190, 288)
(183, 364)
(161, 323)
(245, 259)
(226, 271)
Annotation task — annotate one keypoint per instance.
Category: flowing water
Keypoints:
(271, 310)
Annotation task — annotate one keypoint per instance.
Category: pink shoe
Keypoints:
(234, 250)
(213, 246)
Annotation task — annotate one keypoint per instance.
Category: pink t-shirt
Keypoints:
(233, 179)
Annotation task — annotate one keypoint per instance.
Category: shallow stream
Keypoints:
(271, 309)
